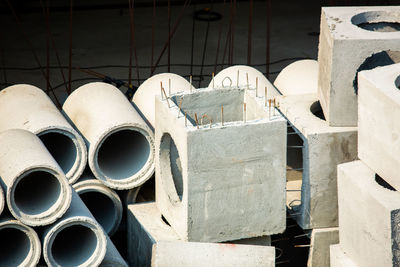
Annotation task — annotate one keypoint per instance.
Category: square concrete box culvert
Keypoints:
(219, 181)
(353, 39)
(314, 149)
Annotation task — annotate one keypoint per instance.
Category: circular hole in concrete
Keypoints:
(379, 59)
(379, 180)
(36, 192)
(377, 21)
(165, 220)
(14, 246)
(316, 109)
(62, 148)
(123, 154)
(73, 245)
(101, 207)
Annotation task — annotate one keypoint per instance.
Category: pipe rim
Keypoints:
(2, 200)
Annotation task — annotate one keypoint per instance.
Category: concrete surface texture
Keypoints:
(299, 77)
(368, 216)
(348, 36)
(180, 254)
(379, 130)
(321, 240)
(324, 148)
(20, 245)
(74, 240)
(37, 190)
(339, 258)
(27, 107)
(120, 144)
(218, 182)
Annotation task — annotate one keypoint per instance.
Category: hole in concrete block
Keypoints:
(379, 180)
(316, 109)
(377, 21)
(14, 246)
(165, 220)
(73, 245)
(123, 154)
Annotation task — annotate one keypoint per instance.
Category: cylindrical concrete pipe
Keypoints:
(19, 244)
(27, 107)
(241, 75)
(37, 190)
(144, 98)
(2, 200)
(103, 202)
(143, 193)
(300, 77)
(120, 144)
(76, 239)
(112, 257)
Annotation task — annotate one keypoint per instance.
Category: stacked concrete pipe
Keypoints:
(37, 190)
(120, 144)
(20, 245)
(28, 107)
(1, 200)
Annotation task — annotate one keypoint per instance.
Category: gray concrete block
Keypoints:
(346, 41)
(339, 258)
(220, 182)
(324, 147)
(179, 253)
(369, 217)
(321, 240)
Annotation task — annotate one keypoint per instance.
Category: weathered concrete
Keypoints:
(112, 257)
(379, 127)
(103, 203)
(339, 258)
(28, 107)
(37, 190)
(300, 77)
(324, 148)
(369, 217)
(220, 182)
(145, 94)
(120, 144)
(76, 239)
(321, 240)
(347, 39)
(19, 244)
(180, 254)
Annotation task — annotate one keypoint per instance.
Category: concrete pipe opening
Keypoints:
(377, 21)
(15, 247)
(74, 245)
(316, 109)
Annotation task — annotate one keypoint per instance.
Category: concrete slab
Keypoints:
(321, 240)
(369, 213)
(339, 258)
(324, 147)
(178, 253)
(379, 127)
(350, 35)
(220, 182)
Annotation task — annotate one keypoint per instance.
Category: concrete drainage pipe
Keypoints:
(20, 245)
(37, 190)
(28, 107)
(76, 239)
(103, 202)
(2, 200)
(121, 145)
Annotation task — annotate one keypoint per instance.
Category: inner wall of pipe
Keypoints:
(123, 154)
(37, 192)
(62, 148)
(73, 245)
(14, 246)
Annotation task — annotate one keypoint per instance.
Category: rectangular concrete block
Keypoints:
(219, 182)
(323, 148)
(321, 240)
(339, 258)
(379, 126)
(182, 254)
(348, 36)
(369, 217)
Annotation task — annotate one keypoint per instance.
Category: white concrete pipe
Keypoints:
(120, 144)
(2, 200)
(103, 202)
(145, 94)
(37, 190)
(245, 76)
(112, 257)
(19, 244)
(300, 77)
(143, 193)
(28, 107)
(76, 239)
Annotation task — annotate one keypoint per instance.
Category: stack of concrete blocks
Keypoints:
(369, 200)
